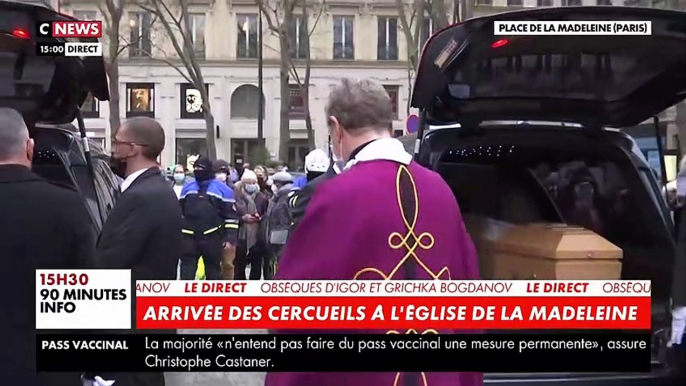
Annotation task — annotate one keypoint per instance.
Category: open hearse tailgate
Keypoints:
(468, 74)
(43, 89)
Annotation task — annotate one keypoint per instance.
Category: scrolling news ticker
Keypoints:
(590, 351)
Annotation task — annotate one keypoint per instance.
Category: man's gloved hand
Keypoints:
(678, 325)
(97, 381)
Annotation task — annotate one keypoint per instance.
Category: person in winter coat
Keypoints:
(44, 226)
(211, 223)
(222, 171)
(251, 206)
(278, 219)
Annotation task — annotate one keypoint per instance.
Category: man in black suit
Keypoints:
(143, 231)
(43, 227)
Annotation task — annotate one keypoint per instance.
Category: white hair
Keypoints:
(13, 133)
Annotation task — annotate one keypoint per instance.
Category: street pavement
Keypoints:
(216, 379)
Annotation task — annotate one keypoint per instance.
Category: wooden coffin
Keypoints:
(542, 251)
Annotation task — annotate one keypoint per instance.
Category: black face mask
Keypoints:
(312, 175)
(118, 166)
(262, 182)
(203, 175)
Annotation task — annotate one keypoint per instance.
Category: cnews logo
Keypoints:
(70, 29)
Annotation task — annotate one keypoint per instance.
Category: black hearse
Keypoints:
(535, 112)
(48, 92)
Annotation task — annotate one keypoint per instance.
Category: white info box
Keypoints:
(86, 299)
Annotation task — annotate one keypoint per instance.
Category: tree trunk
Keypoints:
(439, 14)
(306, 86)
(284, 119)
(284, 71)
(210, 133)
(308, 120)
(113, 75)
(467, 9)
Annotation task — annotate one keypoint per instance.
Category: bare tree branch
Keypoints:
(176, 25)
(272, 20)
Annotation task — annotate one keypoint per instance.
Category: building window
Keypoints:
(140, 99)
(398, 133)
(427, 31)
(514, 3)
(191, 102)
(297, 150)
(141, 42)
(248, 148)
(604, 2)
(189, 149)
(297, 102)
(343, 37)
(544, 3)
(245, 102)
(85, 15)
(90, 107)
(484, 2)
(247, 37)
(387, 48)
(297, 38)
(393, 93)
(197, 35)
(571, 3)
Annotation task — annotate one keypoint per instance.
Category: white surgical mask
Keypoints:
(179, 178)
(221, 177)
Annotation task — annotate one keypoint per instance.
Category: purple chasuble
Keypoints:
(353, 229)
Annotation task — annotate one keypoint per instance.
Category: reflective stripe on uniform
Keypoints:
(187, 231)
(207, 232)
(292, 201)
(231, 226)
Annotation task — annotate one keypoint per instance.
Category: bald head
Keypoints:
(146, 132)
(14, 136)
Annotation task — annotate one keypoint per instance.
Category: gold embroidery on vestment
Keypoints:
(397, 240)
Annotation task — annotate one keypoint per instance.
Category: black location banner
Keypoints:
(505, 353)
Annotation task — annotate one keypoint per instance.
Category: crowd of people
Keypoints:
(236, 218)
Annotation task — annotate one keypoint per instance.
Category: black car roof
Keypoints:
(466, 73)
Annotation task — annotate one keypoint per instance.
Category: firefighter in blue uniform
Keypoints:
(211, 222)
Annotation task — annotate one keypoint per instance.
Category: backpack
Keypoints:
(200, 212)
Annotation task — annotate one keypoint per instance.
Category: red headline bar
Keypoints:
(393, 313)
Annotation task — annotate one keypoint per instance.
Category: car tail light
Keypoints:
(21, 34)
(499, 43)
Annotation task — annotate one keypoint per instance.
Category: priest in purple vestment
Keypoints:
(384, 217)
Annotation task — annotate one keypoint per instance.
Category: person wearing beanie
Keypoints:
(251, 206)
(211, 223)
